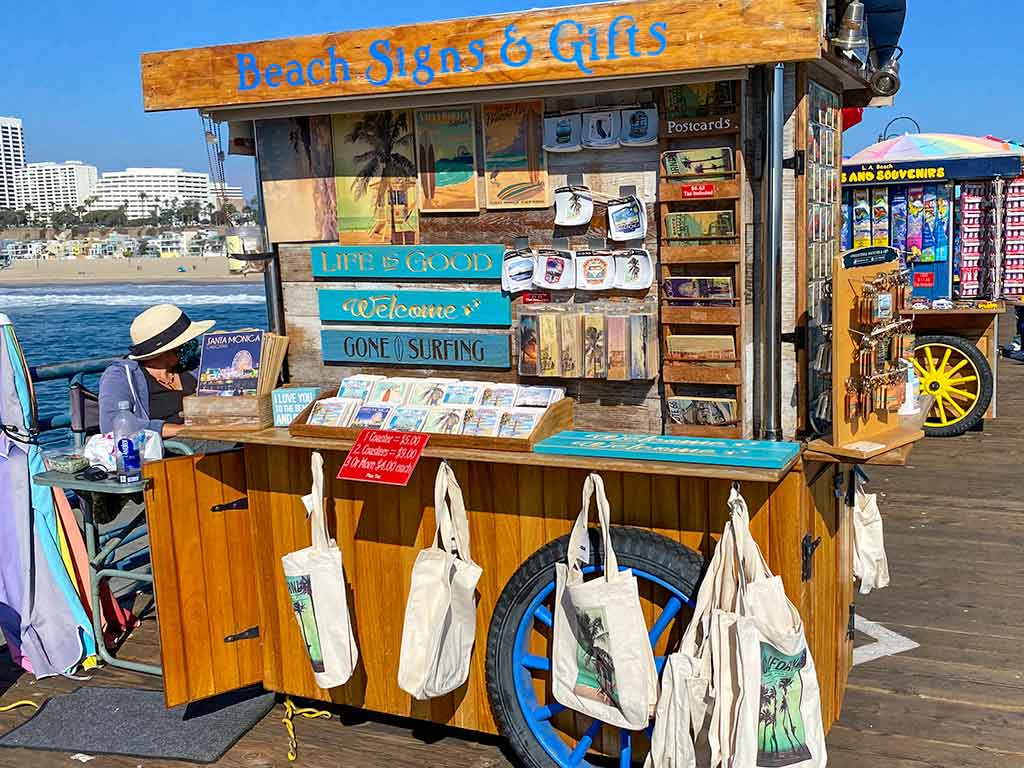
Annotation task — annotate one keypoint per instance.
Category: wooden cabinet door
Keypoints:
(204, 574)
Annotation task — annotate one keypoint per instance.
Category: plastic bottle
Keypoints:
(128, 444)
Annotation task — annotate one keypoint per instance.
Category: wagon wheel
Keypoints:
(956, 372)
(542, 732)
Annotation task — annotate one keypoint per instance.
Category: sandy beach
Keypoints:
(195, 269)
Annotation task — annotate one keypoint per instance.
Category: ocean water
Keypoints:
(72, 322)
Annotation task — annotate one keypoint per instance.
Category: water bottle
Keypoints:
(128, 444)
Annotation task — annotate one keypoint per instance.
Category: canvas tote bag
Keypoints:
(870, 564)
(602, 665)
(316, 586)
(778, 717)
(440, 614)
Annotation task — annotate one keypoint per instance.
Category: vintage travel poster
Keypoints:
(375, 176)
(515, 165)
(297, 171)
(700, 99)
(446, 150)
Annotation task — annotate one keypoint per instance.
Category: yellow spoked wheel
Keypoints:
(958, 376)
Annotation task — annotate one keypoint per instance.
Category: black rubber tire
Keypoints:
(635, 548)
(986, 384)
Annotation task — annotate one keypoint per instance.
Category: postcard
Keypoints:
(445, 420)
(700, 225)
(571, 328)
(499, 395)
(595, 361)
(550, 360)
(482, 422)
(371, 417)
(357, 388)
(428, 393)
(702, 411)
(407, 418)
(390, 392)
(709, 164)
(463, 393)
(535, 397)
(528, 348)
(519, 422)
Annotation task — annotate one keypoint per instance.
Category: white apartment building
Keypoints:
(12, 161)
(50, 187)
(143, 189)
(233, 195)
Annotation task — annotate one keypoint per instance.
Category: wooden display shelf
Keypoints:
(694, 373)
(557, 417)
(686, 430)
(241, 412)
(700, 254)
(679, 189)
(673, 314)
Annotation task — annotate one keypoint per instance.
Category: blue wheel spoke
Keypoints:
(543, 615)
(548, 711)
(659, 663)
(625, 749)
(585, 742)
(667, 614)
(536, 662)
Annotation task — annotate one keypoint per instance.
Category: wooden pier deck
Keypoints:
(955, 536)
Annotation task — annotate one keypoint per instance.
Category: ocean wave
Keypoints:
(16, 300)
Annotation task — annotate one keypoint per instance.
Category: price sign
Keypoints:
(385, 457)
(697, 191)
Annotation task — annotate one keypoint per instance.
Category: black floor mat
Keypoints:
(126, 721)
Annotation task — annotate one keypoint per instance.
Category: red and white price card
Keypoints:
(382, 456)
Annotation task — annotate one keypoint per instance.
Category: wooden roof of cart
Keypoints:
(625, 41)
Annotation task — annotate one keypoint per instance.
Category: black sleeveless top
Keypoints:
(165, 404)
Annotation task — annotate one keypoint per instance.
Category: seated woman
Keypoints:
(155, 377)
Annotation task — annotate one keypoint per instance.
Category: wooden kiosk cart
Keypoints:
(405, 172)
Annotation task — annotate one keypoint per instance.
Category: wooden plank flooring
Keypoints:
(954, 532)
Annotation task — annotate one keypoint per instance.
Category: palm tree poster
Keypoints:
(297, 172)
(515, 165)
(595, 670)
(446, 151)
(300, 590)
(781, 736)
(375, 173)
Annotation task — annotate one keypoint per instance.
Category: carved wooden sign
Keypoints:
(416, 350)
(408, 262)
(382, 305)
(539, 46)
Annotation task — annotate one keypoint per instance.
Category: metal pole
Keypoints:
(771, 418)
(271, 270)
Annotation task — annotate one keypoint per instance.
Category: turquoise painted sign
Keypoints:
(418, 350)
(475, 308)
(409, 262)
(693, 450)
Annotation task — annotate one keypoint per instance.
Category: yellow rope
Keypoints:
(22, 703)
(290, 711)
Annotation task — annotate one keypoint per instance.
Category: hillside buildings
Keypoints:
(143, 189)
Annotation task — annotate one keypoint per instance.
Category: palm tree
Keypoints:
(787, 715)
(769, 717)
(387, 133)
(590, 629)
(593, 348)
(300, 608)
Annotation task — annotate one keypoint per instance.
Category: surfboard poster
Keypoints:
(446, 153)
(515, 164)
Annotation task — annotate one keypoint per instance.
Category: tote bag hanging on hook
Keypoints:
(602, 665)
(870, 564)
(316, 586)
(778, 714)
(440, 614)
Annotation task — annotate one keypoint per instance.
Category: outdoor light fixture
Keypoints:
(885, 81)
(852, 33)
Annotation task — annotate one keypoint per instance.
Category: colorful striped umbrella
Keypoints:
(918, 147)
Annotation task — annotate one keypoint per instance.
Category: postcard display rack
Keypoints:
(701, 238)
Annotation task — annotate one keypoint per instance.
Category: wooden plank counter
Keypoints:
(517, 502)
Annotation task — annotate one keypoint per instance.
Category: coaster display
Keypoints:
(595, 270)
(562, 133)
(639, 127)
(574, 206)
(554, 269)
(634, 270)
(601, 130)
(517, 271)
(627, 219)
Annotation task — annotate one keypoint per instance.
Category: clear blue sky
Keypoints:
(71, 69)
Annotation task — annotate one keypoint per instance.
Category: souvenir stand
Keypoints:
(952, 206)
(558, 208)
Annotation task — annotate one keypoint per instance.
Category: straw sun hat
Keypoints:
(161, 328)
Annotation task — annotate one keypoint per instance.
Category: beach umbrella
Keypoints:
(961, 157)
(41, 612)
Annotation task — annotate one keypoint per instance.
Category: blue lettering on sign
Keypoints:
(409, 262)
(568, 41)
(409, 307)
(428, 350)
